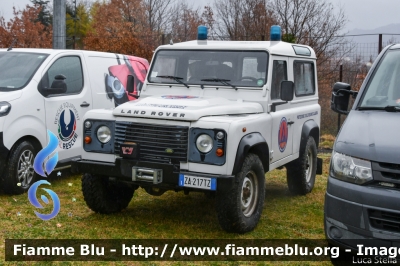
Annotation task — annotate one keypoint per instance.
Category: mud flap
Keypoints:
(319, 166)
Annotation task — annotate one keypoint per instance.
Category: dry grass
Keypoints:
(326, 141)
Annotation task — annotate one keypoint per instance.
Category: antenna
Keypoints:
(12, 44)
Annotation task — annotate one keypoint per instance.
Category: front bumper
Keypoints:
(365, 215)
(122, 170)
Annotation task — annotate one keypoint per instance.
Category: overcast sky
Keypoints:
(362, 14)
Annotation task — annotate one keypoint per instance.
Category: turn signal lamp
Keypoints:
(219, 152)
(88, 140)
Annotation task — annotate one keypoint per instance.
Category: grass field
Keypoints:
(173, 215)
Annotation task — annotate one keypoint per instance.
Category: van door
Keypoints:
(64, 112)
(282, 117)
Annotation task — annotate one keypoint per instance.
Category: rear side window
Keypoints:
(304, 80)
(279, 74)
(71, 68)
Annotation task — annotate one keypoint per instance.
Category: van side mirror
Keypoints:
(130, 86)
(59, 86)
(287, 90)
(340, 97)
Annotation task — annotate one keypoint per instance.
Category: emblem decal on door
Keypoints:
(66, 120)
(283, 134)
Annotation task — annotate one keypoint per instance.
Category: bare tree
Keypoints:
(311, 22)
(243, 19)
(185, 21)
(158, 14)
(208, 19)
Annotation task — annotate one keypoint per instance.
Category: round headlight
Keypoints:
(104, 134)
(204, 143)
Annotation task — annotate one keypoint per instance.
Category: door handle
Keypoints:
(85, 104)
(290, 122)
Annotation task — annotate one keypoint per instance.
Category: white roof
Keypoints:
(56, 51)
(275, 47)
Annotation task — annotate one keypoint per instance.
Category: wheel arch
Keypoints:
(34, 141)
(310, 128)
(252, 143)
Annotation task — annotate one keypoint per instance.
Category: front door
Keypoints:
(282, 117)
(64, 112)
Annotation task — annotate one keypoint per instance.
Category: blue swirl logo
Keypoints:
(45, 162)
(42, 165)
(34, 201)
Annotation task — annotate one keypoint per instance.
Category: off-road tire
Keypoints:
(104, 196)
(239, 208)
(20, 160)
(301, 172)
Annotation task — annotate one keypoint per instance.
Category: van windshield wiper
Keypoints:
(223, 81)
(392, 108)
(177, 79)
(388, 108)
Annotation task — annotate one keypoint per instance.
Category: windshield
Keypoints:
(17, 69)
(217, 68)
(383, 89)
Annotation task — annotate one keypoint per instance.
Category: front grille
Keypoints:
(391, 175)
(157, 143)
(387, 173)
(390, 166)
(384, 220)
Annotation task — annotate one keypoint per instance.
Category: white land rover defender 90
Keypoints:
(212, 116)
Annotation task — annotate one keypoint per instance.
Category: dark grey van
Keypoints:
(362, 200)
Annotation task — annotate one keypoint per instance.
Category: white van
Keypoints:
(44, 90)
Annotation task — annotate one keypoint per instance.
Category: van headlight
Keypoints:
(5, 108)
(104, 134)
(204, 143)
(350, 169)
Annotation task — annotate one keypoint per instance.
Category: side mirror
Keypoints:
(58, 86)
(130, 87)
(340, 97)
(287, 90)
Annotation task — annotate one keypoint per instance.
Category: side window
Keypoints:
(71, 68)
(304, 80)
(279, 73)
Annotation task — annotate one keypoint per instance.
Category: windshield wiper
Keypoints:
(177, 79)
(388, 108)
(392, 108)
(223, 81)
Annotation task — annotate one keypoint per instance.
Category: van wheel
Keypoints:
(103, 196)
(239, 208)
(301, 172)
(19, 174)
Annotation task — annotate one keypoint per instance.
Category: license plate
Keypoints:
(197, 182)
